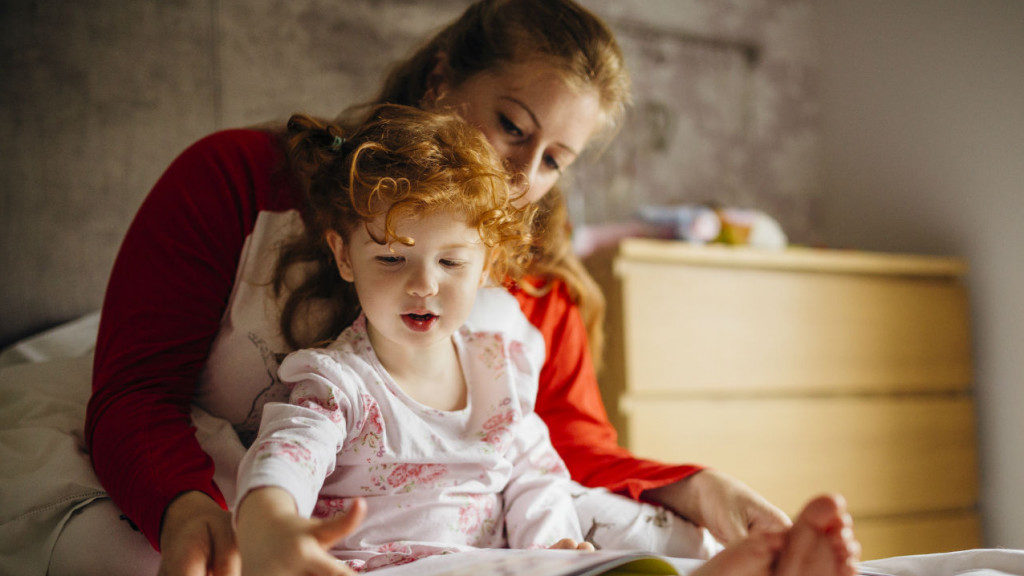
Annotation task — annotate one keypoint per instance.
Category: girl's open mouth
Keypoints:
(419, 322)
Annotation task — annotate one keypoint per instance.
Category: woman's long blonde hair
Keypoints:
(491, 34)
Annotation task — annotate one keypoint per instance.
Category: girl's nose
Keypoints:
(422, 282)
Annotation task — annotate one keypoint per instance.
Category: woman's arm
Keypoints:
(728, 508)
(167, 292)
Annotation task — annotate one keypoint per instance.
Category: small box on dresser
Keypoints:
(802, 371)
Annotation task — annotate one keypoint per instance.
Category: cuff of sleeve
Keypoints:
(278, 476)
(635, 487)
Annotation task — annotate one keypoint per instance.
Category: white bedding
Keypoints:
(46, 474)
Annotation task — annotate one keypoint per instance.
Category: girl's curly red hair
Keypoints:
(400, 162)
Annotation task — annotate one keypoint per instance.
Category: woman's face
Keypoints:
(532, 118)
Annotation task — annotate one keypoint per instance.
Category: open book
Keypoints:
(505, 562)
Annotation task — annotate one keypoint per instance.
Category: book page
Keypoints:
(505, 562)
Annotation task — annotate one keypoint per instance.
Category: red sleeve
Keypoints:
(167, 292)
(569, 402)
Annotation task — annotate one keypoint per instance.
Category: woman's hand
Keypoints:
(570, 544)
(197, 538)
(274, 540)
(729, 509)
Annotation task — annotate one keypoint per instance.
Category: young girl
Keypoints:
(413, 408)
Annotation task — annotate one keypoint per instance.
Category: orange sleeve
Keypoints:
(569, 402)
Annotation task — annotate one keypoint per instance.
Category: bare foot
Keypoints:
(821, 541)
(755, 555)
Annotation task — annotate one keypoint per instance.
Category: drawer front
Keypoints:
(887, 456)
(918, 534)
(726, 331)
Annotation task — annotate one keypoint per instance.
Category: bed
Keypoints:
(44, 388)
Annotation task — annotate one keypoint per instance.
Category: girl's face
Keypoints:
(414, 297)
(532, 118)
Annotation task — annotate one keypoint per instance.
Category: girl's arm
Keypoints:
(298, 443)
(539, 511)
(281, 475)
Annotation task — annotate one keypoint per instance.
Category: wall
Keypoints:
(96, 99)
(922, 111)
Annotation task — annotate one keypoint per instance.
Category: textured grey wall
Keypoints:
(97, 98)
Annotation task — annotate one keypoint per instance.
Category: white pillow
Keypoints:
(69, 340)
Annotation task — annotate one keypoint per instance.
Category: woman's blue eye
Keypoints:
(449, 263)
(509, 126)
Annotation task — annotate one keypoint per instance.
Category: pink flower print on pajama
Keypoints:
(518, 355)
(399, 478)
(549, 462)
(307, 398)
(287, 450)
(490, 350)
(496, 431)
(371, 428)
(330, 506)
(479, 520)
(407, 477)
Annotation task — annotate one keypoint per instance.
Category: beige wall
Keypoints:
(922, 107)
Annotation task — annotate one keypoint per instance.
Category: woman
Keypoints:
(190, 316)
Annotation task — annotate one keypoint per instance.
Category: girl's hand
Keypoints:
(197, 538)
(570, 544)
(274, 540)
(728, 508)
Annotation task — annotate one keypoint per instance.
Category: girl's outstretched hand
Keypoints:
(197, 538)
(275, 541)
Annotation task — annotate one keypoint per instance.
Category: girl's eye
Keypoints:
(449, 263)
(389, 260)
(509, 126)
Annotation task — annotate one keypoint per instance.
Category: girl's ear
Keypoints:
(437, 82)
(341, 259)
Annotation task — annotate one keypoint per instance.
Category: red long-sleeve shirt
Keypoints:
(170, 286)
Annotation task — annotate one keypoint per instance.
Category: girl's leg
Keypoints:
(97, 541)
(614, 522)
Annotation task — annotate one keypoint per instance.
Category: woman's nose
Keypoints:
(525, 163)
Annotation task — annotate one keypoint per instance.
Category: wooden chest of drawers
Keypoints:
(799, 372)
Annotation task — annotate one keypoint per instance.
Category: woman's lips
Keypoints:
(419, 322)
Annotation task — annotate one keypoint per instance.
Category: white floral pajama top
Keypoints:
(434, 481)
